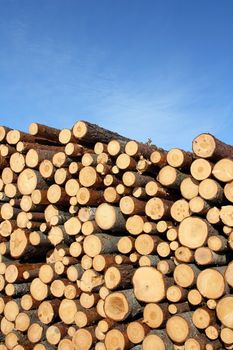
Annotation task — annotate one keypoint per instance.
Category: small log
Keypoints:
(159, 158)
(132, 179)
(60, 160)
(155, 315)
(29, 180)
(211, 283)
(100, 244)
(57, 194)
(184, 254)
(86, 196)
(213, 216)
(199, 206)
(118, 277)
(86, 318)
(124, 161)
(135, 224)
(120, 305)
(170, 177)
(65, 136)
(47, 169)
(92, 133)
(178, 308)
(193, 232)
(186, 275)
(146, 244)
(74, 150)
(180, 210)
(211, 190)
(205, 256)
(208, 146)
(201, 169)
(157, 208)
(126, 245)
(202, 317)
(109, 218)
(136, 331)
(176, 294)
(189, 188)
(178, 158)
(194, 297)
(100, 147)
(180, 327)
(88, 177)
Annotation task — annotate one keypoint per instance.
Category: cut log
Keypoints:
(135, 224)
(155, 315)
(88, 177)
(118, 277)
(208, 146)
(146, 244)
(180, 328)
(194, 297)
(185, 275)
(100, 244)
(124, 161)
(29, 180)
(47, 169)
(136, 149)
(109, 218)
(120, 305)
(180, 210)
(92, 133)
(199, 206)
(130, 206)
(86, 196)
(149, 284)
(157, 208)
(44, 131)
(211, 283)
(189, 188)
(202, 317)
(194, 232)
(201, 169)
(170, 177)
(205, 256)
(178, 158)
(65, 136)
(159, 158)
(136, 331)
(17, 162)
(224, 311)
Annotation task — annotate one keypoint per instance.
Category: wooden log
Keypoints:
(111, 180)
(208, 146)
(88, 177)
(157, 339)
(100, 147)
(100, 244)
(170, 177)
(146, 244)
(29, 180)
(3, 133)
(74, 150)
(213, 215)
(158, 208)
(211, 283)
(189, 188)
(180, 210)
(193, 232)
(61, 176)
(57, 194)
(14, 136)
(86, 318)
(194, 297)
(132, 179)
(185, 275)
(135, 224)
(178, 158)
(118, 306)
(92, 133)
(199, 206)
(88, 300)
(223, 311)
(159, 158)
(65, 136)
(111, 195)
(202, 317)
(6, 151)
(117, 277)
(8, 176)
(205, 256)
(155, 315)
(60, 160)
(124, 161)
(136, 331)
(184, 254)
(145, 166)
(47, 169)
(149, 284)
(166, 267)
(178, 308)
(109, 218)
(180, 327)
(44, 131)
(226, 336)
(89, 159)
(201, 169)
(17, 162)
(130, 206)
(126, 245)
(86, 214)
(86, 196)
(136, 149)
(226, 215)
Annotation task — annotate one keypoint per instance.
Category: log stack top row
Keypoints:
(107, 243)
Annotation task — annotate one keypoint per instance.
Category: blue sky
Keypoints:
(144, 68)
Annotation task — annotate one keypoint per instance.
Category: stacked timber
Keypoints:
(111, 244)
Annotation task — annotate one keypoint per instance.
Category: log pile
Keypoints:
(110, 244)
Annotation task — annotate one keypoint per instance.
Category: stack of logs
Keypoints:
(111, 244)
